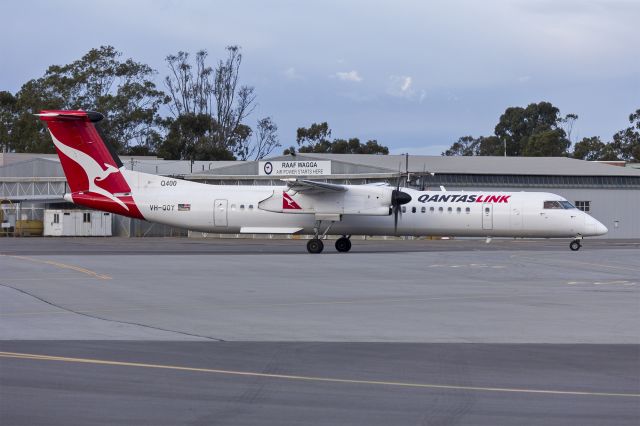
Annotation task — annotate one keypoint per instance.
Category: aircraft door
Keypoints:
(487, 216)
(220, 213)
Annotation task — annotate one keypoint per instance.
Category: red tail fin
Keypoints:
(92, 171)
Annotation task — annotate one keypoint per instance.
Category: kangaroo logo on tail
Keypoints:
(95, 172)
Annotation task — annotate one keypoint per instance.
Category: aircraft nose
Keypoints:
(600, 228)
(594, 227)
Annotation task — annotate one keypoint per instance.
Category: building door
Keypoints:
(487, 216)
(220, 213)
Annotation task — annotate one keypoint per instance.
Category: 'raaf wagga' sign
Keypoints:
(294, 168)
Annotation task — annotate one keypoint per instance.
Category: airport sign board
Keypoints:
(294, 168)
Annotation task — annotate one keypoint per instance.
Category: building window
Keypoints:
(86, 217)
(56, 218)
(585, 206)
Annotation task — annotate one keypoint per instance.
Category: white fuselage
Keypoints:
(235, 209)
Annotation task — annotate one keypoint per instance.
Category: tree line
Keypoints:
(202, 112)
(539, 130)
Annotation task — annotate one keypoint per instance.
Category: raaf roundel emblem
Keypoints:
(288, 203)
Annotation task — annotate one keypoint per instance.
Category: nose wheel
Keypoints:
(575, 245)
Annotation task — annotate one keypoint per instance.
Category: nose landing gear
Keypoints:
(575, 245)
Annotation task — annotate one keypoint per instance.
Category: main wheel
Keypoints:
(315, 246)
(343, 244)
(575, 245)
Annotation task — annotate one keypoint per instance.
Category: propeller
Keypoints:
(398, 198)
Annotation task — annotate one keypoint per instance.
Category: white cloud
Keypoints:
(292, 74)
(401, 86)
(423, 96)
(349, 76)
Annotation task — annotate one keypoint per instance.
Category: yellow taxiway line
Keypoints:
(62, 266)
(37, 357)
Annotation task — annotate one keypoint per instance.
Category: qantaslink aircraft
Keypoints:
(98, 179)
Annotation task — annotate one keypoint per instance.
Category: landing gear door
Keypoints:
(220, 213)
(487, 216)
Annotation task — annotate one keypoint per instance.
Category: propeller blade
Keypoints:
(398, 198)
(396, 210)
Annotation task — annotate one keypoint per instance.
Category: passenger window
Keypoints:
(459, 210)
(404, 209)
(468, 209)
(250, 206)
(450, 209)
(241, 206)
(413, 209)
(487, 210)
(440, 209)
(233, 207)
(423, 209)
(431, 209)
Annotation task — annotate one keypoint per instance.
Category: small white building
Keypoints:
(77, 223)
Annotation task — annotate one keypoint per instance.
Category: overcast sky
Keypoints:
(415, 75)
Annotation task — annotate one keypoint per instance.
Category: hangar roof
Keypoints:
(560, 166)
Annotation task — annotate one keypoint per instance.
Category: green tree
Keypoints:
(315, 139)
(518, 125)
(8, 113)
(100, 81)
(465, 146)
(590, 149)
(189, 137)
(626, 143)
(198, 89)
(537, 130)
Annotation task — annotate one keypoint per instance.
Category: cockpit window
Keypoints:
(567, 205)
(558, 205)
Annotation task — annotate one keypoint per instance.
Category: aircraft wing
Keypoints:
(310, 186)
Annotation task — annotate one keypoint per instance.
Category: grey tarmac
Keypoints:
(181, 331)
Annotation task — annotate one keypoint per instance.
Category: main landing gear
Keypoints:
(343, 244)
(575, 245)
(315, 245)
